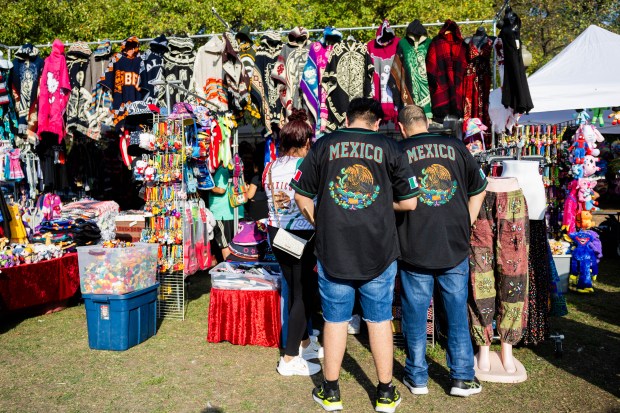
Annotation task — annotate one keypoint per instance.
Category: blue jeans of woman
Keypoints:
(418, 285)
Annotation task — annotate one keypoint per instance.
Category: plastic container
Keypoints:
(562, 264)
(246, 276)
(117, 270)
(119, 322)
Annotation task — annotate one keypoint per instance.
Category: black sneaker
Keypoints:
(465, 388)
(387, 401)
(414, 388)
(327, 399)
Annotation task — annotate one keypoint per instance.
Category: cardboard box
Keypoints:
(129, 226)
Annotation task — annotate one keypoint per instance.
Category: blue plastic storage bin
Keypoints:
(119, 322)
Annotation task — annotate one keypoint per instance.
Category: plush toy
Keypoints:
(149, 174)
(591, 136)
(138, 171)
(576, 171)
(589, 166)
(583, 263)
(579, 149)
(586, 194)
(584, 220)
(597, 116)
(615, 115)
(571, 207)
(582, 117)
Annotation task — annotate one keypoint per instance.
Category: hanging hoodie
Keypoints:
(236, 78)
(208, 74)
(409, 81)
(348, 75)
(54, 90)
(122, 78)
(99, 61)
(288, 70)
(382, 51)
(78, 58)
(445, 65)
(24, 80)
(247, 54)
(152, 70)
(314, 94)
(179, 65)
(477, 81)
(264, 90)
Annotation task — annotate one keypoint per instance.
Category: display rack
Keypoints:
(165, 205)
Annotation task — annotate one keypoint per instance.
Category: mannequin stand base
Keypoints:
(497, 374)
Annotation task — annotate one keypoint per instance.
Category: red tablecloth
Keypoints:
(244, 317)
(45, 282)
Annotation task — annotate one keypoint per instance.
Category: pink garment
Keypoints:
(382, 51)
(15, 166)
(54, 91)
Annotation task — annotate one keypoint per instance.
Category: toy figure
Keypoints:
(587, 196)
(597, 115)
(571, 207)
(615, 115)
(584, 220)
(579, 149)
(591, 136)
(577, 171)
(583, 263)
(589, 166)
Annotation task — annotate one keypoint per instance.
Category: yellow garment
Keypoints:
(18, 231)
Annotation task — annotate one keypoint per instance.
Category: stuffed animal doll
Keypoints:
(597, 116)
(583, 262)
(576, 171)
(579, 149)
(591, 136)
(587, 195)
(571, 207)
(589, 166)
(615, 115)
(584, 220)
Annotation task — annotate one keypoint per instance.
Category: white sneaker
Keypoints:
(354, 324)
(313, 351)
(297, 367)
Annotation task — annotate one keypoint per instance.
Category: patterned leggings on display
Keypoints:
(499, 268)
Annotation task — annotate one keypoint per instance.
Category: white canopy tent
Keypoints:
(583, 75)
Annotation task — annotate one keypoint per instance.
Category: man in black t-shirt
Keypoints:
(358, 177)
(434, 243)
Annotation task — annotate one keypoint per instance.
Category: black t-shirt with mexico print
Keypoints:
(436, 235)
(355, 174)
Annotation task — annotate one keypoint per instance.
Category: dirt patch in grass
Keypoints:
(46, 365)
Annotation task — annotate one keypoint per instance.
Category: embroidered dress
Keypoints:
(382, 51)
(312, 91)
(477, 83)
(24, 79)
(179, 65)
(16, 172)
(264, 91)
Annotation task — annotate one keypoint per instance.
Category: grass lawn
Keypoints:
(46, 366)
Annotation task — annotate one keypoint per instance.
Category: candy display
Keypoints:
(117, 268)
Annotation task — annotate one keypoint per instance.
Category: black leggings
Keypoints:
(302, 287)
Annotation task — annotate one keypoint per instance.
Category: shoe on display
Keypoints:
(355, 324)
(297, 367)
(329, 400)
(313, 351)
(387, 401)
(465, 388)
(414, 388)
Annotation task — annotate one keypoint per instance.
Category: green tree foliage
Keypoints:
(548, 25)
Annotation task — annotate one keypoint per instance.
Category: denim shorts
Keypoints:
(376, 295)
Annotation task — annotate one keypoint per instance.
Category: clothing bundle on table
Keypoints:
(240, 276)
(102, 213)
(78, 232)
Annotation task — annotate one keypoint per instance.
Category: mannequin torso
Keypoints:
(531, 184)
(502, 184)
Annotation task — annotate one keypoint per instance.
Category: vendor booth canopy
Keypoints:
(583, 75)
(561, 116)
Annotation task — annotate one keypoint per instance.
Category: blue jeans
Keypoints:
(376, 296)
(417, 292)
